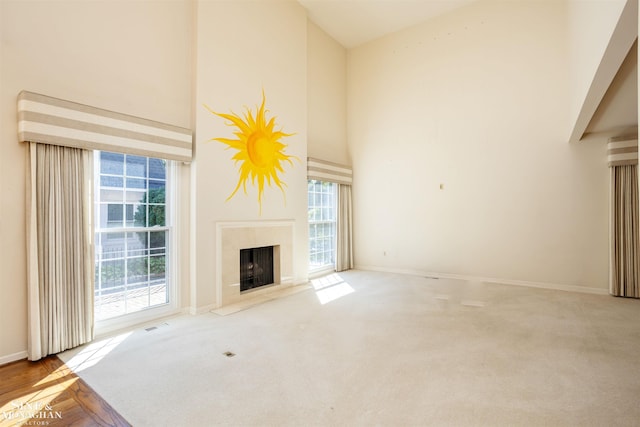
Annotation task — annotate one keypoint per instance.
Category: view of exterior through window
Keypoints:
(322, 224)
(131, 234)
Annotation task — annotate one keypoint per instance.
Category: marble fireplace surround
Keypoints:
(233, 236)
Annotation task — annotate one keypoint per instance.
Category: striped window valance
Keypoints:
(329, 171)
(55, 121)
(622, 151)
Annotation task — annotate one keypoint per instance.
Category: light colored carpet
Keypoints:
(383, 349)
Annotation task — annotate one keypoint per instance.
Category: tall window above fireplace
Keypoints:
(256, 268)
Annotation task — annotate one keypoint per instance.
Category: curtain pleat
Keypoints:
(344, 233)
(624, 239)
(59, 236)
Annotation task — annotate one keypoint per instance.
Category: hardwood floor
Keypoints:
(48, 393)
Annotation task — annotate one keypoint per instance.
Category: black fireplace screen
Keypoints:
(256, 267)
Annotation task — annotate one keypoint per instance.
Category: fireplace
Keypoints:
(256, 268)
(234, 237)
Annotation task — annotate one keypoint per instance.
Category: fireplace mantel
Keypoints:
(231, 237)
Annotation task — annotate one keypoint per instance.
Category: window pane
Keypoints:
(157, 192)
(157, 169)
(136, 183)
(137, 244)
(111, 195)
(114, 215)
(112, 274)
(140, 215)
(111, 163)
(111, 181)
(313, 215)
(156, 185)
(137, 270)
(156, 215)
(331, 214)
(157, 267)
(157, 241)
(128, 209)
(136, 166)
(111, 246)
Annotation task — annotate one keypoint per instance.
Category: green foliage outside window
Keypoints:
(156, 209)
(156, 217)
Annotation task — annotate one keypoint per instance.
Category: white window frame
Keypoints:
(317, 271)
(149, 314)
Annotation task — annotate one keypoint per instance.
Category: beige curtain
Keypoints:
(344, 234)
(624, 239)
(59, 244)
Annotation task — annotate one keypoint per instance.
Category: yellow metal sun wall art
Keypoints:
(260, 153)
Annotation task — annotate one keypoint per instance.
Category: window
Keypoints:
(322, 224)
(131, 234)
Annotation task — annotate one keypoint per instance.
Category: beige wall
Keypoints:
(327, 97)
(243, 48)
(476, 100)
(131, 57)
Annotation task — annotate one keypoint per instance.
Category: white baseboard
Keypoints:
(13, 357)
(133, 321)
(540, 285)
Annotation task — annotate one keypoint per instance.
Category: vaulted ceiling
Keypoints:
(613, 109)
(354, 22)
(617, 113)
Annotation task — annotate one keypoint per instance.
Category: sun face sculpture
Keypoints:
(260, 152)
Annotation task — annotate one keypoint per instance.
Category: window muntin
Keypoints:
(322, 212)
(131, 234)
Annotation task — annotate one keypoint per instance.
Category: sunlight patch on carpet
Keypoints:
(95, 352)
(331, 287)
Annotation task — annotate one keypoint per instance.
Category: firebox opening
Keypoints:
(256, 268)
